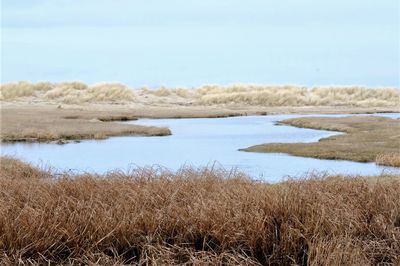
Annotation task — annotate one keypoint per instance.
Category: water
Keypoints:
(196, 142)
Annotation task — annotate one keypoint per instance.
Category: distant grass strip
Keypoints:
(74, 92)
(366, 138)
(58, 125)
(292, 95)
(195, 217)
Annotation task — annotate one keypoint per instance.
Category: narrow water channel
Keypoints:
(196, 142)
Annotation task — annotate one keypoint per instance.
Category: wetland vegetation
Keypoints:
(365, 139)
(195, 216)
(198, 215)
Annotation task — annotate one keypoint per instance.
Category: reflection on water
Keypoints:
(196, 142)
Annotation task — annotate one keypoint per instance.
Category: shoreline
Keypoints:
(363, 139)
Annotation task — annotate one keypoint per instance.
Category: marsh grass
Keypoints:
(195, 217)
(53, 124)
(49, 122)
(81, 131)
(390, 159)
(365, 139)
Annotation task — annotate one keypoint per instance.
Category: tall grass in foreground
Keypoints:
(203, 216)
(237, 94)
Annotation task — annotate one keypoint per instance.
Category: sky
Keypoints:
(192, 43)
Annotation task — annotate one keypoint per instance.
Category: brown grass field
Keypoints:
(46, 123)
(366, 139)
(50, 123)
(195, 217)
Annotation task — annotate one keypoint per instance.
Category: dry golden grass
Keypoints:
(22, 89)
(68, 92)
(160, 92)
(181, 92)
(236, 95)
(365, 138)
(195, 217)
(291, 95)
(391, 159)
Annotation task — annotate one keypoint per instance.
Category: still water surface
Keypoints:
(196, 142)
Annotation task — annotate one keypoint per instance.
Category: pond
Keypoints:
(196, 142)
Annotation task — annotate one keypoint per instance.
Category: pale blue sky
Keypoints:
(189, 43)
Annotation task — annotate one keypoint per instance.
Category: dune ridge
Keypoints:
(237, 94)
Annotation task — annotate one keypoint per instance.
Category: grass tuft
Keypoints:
(160, 92)
(391, 159)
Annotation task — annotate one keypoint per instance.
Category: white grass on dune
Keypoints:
(68, 92)
(237, 94)
(298, 96)
(160, 92)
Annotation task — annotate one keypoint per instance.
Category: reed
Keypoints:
(195, 216)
